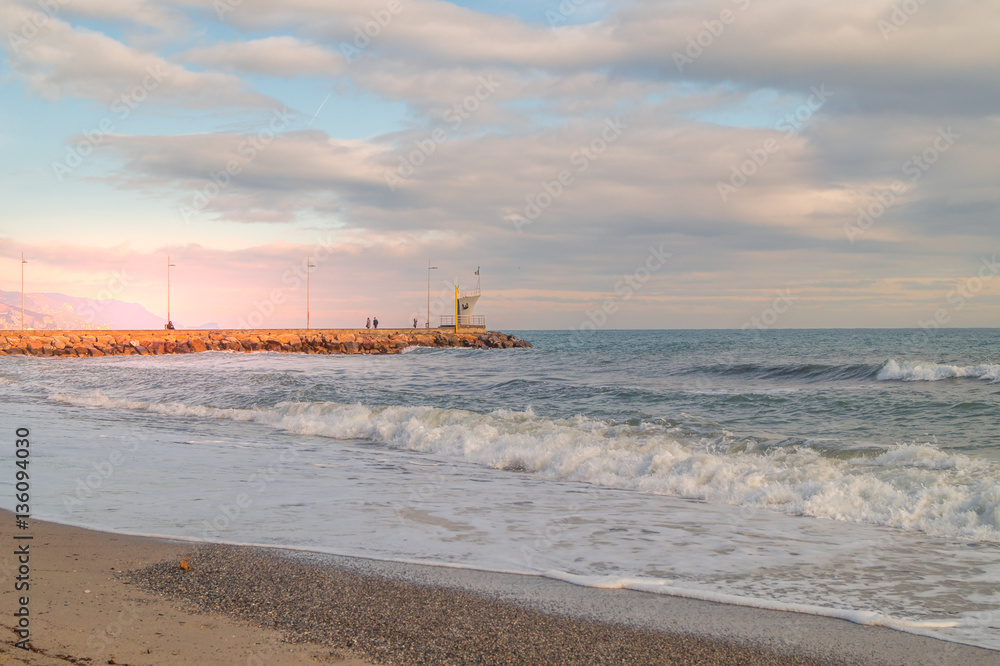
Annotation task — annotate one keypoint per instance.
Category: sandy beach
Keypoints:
(107, 598)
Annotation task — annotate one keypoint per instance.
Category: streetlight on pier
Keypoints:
(23, 262)
(309, 265)
(169, 265)
(429, 269)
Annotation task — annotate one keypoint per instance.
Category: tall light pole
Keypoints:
(429, 269)
(168, 288)
(23, 262)
(309, 265)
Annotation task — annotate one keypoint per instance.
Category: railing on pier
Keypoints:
(463, 320)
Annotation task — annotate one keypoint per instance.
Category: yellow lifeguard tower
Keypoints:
(465, 304)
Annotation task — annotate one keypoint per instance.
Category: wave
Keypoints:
(913, 487)
(891, 370)
(804, 371)
(917, 371)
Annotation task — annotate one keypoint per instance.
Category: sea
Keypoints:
(847, 473)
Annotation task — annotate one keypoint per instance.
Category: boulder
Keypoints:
(197, 345)
(290, 339)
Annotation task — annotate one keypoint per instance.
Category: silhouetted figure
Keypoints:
(414, 322)
(368, 324)
(169, 326)
(375, 321)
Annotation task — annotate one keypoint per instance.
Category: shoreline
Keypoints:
(355, 611)
(91, 343)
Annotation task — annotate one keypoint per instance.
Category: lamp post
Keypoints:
(168, 288)
(309, 265)
(23, 262)
(429, 269)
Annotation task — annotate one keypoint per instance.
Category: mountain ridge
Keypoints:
(46, 311)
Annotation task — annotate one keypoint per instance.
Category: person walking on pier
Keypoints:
(368, 324)
(375, 321)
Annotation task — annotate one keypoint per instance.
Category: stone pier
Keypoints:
(313, 341)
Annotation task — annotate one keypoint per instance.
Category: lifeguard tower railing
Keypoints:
(463, 320)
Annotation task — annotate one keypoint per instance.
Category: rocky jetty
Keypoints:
(149, 343)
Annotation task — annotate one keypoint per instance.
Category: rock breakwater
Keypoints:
(333, 341)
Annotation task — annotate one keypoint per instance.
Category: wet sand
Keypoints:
(105, 598)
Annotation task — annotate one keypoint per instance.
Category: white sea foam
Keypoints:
(913, 487)
(915, 371)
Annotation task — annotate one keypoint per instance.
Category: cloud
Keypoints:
(61, 60)
(140, 12)
(271, 56)
(529, 171)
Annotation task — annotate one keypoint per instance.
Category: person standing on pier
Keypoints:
(368, 324)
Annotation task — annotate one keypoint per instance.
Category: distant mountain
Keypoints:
(69, 312)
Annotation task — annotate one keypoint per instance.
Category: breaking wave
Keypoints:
(922, 371)
(913, 487)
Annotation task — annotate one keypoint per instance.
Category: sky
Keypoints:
(660, 164)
